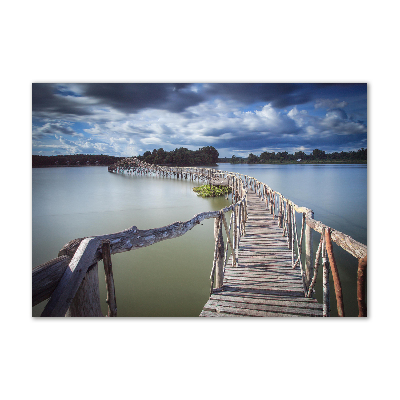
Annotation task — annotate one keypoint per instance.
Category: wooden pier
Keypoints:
(263, 284)
(271, 271)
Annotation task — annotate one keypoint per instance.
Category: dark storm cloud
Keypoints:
(58, 128)
(249, 134)
(177, 97)
(256, 142)
(340, 89)
(51, 129)
(282, 95)
(248, 93)
(131, 98)
(45, 100)
(125, 97)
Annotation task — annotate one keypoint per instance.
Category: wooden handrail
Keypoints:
(346, 242)
(45, 278)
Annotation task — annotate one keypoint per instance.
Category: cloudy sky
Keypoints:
(128, 119)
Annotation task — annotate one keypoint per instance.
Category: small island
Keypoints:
(212, 191)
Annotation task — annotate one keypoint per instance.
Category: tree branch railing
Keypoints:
(70, 275)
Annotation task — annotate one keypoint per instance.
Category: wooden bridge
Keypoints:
(265, 268)
(263, 284)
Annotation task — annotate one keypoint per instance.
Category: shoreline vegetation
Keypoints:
(205, 156)
(73, 160)
(299, 157)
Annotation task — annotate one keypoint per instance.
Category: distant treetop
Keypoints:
(181, 157)
(66, 160)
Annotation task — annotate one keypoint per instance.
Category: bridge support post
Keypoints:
(289, 225)
(361, 278)
(234, 230)
(280, 215)
(219, 243)
(86, 302)
(111, 300)
(309, 269)
(325, 279)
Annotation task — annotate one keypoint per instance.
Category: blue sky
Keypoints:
(127, 119)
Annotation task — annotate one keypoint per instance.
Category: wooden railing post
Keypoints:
(335, 274)
(111, 300)
(229, 242)
(325, 280)
(219, 243)
(86, 302)
(361, 278)
(309, 250)
(314, 279)
(239, 223)
(289, 225)
(234, 239)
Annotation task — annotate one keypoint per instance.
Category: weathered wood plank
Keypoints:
(279, 301)
(263, 297)
(263, 292)
(45, 278)
(282, 309)
(86, 302)
(205, 313)
(247, 311)
(273, 273)
(267, 280)
(69, 284)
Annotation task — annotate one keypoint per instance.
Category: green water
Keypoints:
(171, 278)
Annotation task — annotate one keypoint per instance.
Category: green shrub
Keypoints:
(213, 191)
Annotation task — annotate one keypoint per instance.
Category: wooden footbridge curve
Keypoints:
(263, 284)
(265, 268)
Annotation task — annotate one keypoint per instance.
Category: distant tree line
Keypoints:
(73, 160)
(317, 156)
(181, 157)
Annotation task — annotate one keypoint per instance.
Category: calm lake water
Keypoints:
(171, 278)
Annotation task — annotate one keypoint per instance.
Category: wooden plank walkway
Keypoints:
(264, 283)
